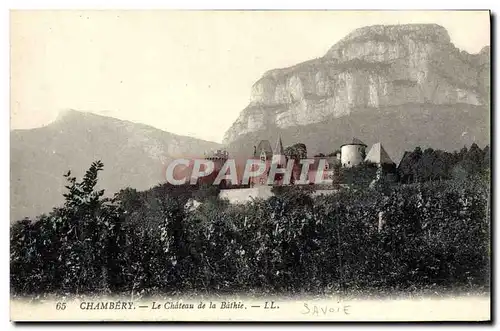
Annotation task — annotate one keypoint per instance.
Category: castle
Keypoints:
(350, 154)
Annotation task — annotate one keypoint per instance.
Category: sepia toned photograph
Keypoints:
(254, 166)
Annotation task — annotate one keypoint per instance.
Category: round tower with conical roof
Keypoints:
(352, 153)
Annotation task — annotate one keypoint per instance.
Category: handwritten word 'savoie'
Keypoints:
(321, 310)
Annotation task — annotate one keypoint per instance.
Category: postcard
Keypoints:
(170, 165)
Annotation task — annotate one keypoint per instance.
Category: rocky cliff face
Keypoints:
(373, 67)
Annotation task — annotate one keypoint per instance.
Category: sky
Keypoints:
(186, 72)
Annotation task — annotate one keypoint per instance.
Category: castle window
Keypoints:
(262, 181)
(348, 162)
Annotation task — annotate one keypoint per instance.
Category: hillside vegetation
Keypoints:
(400, 237)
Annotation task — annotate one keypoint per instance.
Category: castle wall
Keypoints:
(262, 179)
(246, 194)
(243, 195)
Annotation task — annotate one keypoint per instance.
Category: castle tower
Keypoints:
(353, 153)
(264, 153)
(378, 155)
(218, 157)
(263, 150)
(279, 154)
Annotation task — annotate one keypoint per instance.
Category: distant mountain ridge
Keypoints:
(369, 85)
(133, 155)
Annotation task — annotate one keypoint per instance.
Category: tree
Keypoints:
(409, 168)
(432, 165)
(462, 153)
(474, 160)
(296, 152)
(418, 166)
(91, 226)
(487, 157)
(206, 192)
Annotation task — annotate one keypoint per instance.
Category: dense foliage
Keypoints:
(406, 236)
(297, 151)
(430, 164)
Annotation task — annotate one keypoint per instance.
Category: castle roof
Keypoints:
(264, 145)
(378, 155)
(278, 149)
(355, 141)
(217, 154)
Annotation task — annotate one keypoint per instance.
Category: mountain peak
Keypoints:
(70, 113)
(485, 50)
(376, 77)
(427, 33)
(134, 155)
(399, 30)
(67, 115)
(67, 112)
